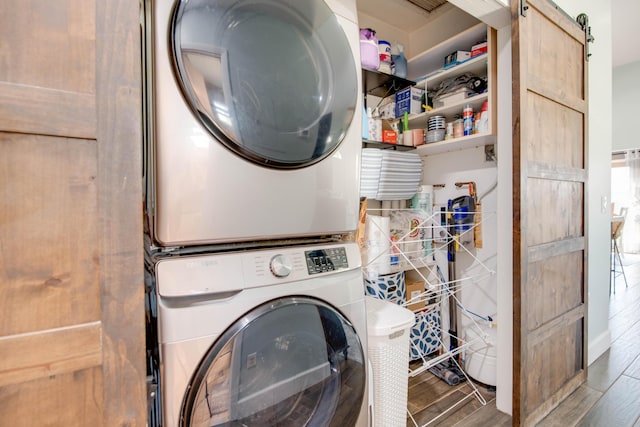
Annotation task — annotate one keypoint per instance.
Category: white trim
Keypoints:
(598, 346)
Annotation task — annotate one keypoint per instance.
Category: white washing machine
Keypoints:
(263, 338)
(254, 119)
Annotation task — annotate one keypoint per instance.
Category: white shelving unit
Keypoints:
(427, 69)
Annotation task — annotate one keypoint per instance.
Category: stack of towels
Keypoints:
(389, 175)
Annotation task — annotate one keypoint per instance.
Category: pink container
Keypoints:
(418, 136)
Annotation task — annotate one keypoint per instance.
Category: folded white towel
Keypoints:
(400, 175)
(370, 172)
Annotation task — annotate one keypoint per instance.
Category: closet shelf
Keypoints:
(476, 66)
(432, 59)
(455, 108)
(382, 84)
(456, 144)
(366, 143)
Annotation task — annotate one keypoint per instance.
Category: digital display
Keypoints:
(323, 260)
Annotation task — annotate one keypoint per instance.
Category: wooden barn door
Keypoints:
(549, 193)
(71, 282)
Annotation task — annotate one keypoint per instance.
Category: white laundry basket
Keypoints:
(388, 327)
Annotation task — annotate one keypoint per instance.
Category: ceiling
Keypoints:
(428, 5)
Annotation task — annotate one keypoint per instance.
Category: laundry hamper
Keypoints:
(388, 326)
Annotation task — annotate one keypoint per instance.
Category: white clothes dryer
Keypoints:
(263, 338)
(254, 119)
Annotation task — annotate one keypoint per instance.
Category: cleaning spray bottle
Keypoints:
(399, 60)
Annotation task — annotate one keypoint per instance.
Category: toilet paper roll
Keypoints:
(423, 203)
(407, 138)
(423, 199)
(386, 207)
(377, 245)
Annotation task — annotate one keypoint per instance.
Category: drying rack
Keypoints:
(441, 289)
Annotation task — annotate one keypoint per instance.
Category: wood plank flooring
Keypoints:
(610, 397)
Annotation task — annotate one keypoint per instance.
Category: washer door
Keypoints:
(273, 80)
(290, 362)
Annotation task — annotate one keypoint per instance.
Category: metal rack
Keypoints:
(441, 292)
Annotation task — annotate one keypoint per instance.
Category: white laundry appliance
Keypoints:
(260, 338)
(254, 119)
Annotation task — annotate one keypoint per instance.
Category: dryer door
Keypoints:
(290, 362)
(273, 80)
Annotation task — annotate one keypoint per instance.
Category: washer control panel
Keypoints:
(323, 260)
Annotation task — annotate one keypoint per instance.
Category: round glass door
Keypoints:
(273, 80)
(292, 362)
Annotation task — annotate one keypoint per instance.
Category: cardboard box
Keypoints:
(409, 100)
(478, 49)
(414, 289)
(456, 57)
(389, 136)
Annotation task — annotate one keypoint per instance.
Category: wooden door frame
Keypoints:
(119, 138)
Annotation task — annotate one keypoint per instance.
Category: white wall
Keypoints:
(505, 219)
(446, 22)
(475, 269)
(383, 30)
(626, 92)
(599, 163)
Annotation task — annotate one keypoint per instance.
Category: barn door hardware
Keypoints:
(583, 21)
(523, 7)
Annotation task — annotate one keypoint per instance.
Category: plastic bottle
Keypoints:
(371, 125)
(365, 123)
(467, 117)
(400, 62)
(378, 120)
(484, 118)
(384, 50)
(369, 56)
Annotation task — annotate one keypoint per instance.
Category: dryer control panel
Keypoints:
(323, 260)
(234, 271)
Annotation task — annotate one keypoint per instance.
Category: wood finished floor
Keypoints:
(610, 397)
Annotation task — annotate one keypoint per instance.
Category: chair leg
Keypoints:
(617, 253)
(612, 275)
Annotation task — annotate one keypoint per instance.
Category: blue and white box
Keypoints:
(409, 100)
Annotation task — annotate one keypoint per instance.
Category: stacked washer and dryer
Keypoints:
(256, 312)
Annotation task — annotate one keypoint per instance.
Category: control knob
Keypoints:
(280, 265)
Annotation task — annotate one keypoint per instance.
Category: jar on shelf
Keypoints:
(458, 128)
(449, 132)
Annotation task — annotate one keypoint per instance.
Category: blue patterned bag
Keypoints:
(390, 287)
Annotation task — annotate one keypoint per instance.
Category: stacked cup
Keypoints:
(435, 130)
